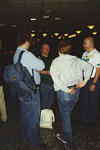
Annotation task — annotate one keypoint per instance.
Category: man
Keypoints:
(3, 112)
(30, 112)
(90, 93)
(46, 86)
(67, 74)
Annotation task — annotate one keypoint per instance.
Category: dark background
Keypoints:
(72, 14)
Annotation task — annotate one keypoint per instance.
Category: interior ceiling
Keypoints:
(71, 12)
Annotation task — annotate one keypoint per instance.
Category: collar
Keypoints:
(92, 51)
(19, 48)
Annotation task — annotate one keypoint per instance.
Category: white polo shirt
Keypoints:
(93, 58)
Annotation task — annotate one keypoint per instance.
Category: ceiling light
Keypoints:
(46, 17)
(44, 34)
(66, 34)
(57, 18)
(59, 37)
(78, 31)
(91, 26)
(2, 25)
(33, 31)
(56, 34)
(48, 11)
(32, 34)
(72, 35)
(13, 25)
(33, 19)
(94, 33)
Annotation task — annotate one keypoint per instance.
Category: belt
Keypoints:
(37, 85)
(73, 86)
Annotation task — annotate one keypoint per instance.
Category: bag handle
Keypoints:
(20, 56)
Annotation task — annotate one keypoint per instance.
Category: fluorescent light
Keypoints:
(57, 18)
(13, 25)
(33, 19)
(33, 31)
(91, 26)
(2, 25)
(46, 17)
(48, 11)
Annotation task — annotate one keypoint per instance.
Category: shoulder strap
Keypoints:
(20, 56)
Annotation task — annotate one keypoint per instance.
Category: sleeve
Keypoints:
(32, 60)
(87, 68)
(97, 61)
(55, 77)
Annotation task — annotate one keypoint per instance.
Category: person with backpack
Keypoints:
(29, 102)
(67, 74)
(3, 111)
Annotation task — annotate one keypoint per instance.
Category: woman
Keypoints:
(67, 72)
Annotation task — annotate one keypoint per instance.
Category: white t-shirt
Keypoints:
(93, 58)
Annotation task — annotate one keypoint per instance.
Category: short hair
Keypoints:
(90, 38)
(63, 46)
(45, 43)
(22, 38)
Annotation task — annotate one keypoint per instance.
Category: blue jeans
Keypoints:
(66, 104)
(47, 95)
(90, 102)
(30, 114)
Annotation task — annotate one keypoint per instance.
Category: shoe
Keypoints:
(38, 147)
(66, 147)
(59, 137)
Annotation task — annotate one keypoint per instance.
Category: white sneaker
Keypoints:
(66, 147)
(59, 137)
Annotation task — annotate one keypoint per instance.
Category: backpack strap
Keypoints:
(20, 56)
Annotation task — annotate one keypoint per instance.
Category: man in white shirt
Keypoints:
(67, 74)
(90, 93)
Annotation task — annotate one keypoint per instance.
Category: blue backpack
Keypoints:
(19, 78)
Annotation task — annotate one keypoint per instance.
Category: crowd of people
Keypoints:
(66, 75)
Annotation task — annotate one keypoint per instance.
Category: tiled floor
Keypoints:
(85, 138)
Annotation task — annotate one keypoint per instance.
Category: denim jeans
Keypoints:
(47, 95)
(66, 104)
(30, 114)
(90, 102)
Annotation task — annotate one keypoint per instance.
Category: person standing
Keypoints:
(3, 111)
(67, 74)
(46, 86)
(90, 93)
(30, 111)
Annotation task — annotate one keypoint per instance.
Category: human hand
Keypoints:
(92, 88)
(82, 84)
(71, 91)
